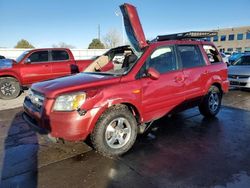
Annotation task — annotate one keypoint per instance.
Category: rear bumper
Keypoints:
(225, 86)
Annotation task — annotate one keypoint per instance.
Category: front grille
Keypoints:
(35, 100)
(237, 83)
(238, 76)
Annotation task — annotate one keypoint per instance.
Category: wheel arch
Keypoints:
(11, 76)
(134, 111)
(217, 84)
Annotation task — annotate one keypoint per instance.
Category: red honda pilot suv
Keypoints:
(145, 82)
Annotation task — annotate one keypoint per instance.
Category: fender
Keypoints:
(10, 73)
(212, 80)
(109, 103)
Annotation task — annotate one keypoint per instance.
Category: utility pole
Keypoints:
(99, 32)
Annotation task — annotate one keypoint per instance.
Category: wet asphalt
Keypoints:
(185, 150)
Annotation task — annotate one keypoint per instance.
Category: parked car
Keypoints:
(36, 65)
(239, 72)
(234, 57)
(228, 54)
(156, 78)
(225, 58)
(2, 57)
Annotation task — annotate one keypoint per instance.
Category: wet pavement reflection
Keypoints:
(185, 150)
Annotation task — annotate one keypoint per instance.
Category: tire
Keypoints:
(210, 105)
(115, 131)
(9, 88)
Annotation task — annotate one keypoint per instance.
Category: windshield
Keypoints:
(117, 61)
(244, 60)
(19, 58)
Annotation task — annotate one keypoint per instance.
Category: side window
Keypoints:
(41, 56)
(162, 59)
(190, 56)
(59, 55)
(212, 54)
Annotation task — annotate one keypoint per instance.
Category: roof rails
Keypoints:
(187, 35)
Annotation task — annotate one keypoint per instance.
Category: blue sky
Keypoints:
(75, 22)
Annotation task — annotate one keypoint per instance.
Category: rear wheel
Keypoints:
(210, 106)
(115, 132)
(9, 88)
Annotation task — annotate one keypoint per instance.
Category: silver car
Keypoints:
(239, 72)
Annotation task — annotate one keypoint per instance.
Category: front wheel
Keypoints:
(115, 132)
(210, 106)
(9, 88)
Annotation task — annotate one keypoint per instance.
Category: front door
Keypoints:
(162, 95)
(37, 68)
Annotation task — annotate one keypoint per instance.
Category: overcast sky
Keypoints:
(75, 22)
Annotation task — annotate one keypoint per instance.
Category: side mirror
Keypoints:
(153, 74)
(27, 60)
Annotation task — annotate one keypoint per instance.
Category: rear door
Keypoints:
(162, 95)
(133, 27)
(37, 68)
(194, 69)
(62, 65)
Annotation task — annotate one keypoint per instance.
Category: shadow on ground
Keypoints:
(19, 165)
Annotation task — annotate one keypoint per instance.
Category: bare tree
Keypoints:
(62, 45)
(112, 39)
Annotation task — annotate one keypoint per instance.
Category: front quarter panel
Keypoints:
(122, 93)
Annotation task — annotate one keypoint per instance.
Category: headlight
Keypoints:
(69, 102)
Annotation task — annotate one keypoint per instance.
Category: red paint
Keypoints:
(153, 98)
(130, 13)
(28, 73)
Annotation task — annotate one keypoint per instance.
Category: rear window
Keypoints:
(212, 54)
(59, 55)
(190, 56)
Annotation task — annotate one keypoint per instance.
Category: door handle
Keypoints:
(179, 79)
(205, 72)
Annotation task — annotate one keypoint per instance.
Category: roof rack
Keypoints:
(187, 35)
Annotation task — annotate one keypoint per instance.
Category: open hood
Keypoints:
(133, 27)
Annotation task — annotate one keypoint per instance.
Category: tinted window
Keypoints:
(41, 56)
(190, 56)
(240, 36)
(238, 49)
(231, 37)
(244, 60)
(223, 37)
(208, 39)
(212, 54)
(162, 59)
(248, 35)
(215, 38)
(247, 49)
(59, 55)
